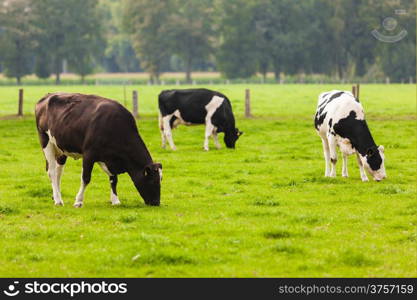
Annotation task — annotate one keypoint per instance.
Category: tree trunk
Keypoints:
(58, 66)
(277, 73)
(188, 65)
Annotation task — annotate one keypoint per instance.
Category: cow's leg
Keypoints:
(361, 169)
(54, 172)
(209, 132)
(326, 151)
(161, 129)
(215, 138)
(113, 193)
(167, 131)
(85, 180)
(113, 184)
(333, 154)
(60, 168)
(345, 167)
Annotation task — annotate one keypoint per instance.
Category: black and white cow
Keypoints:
(340, 122)
(98, 130)
(197, 106)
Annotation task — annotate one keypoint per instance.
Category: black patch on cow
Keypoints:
(113, 183)
(330, 122)
(61, 159)
(333, 160)
(171, 121)
(323, 105)
(319, 119)
(360, 137)
(374, 158)
(334, 96)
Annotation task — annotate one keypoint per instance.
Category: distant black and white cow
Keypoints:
(340, 121)
(98, 130)
(197, 106)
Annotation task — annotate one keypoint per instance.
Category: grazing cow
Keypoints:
(98, 130)
(197, 106)
(340, 121)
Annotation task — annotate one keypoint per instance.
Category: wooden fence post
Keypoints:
(20, 110)
(355, 90)
(247, 104)
(135, 105)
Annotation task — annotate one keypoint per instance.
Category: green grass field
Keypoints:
(262, 210)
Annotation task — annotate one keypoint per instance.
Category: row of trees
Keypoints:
(244, 37)
(39, 35)
(237, 37)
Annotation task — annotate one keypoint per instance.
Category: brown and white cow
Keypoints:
(98, 130)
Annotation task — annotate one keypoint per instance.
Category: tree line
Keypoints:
(239, 38)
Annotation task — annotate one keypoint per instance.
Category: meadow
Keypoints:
(262, 210)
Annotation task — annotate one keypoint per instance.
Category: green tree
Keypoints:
(68, 30)
(236, 55)
(191, 36)
(16, 41)
(147, 21)
(119, 54)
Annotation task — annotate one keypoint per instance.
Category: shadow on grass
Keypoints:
(162, 259)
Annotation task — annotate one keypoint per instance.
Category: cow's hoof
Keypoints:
(365, 179)
(345, 176)
(116, 203)
(60, 203)
(78, 205)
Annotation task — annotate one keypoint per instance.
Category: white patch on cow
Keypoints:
(166, 131)
(113, 198)
(59, 151)
(213, 105)
(104, 168)
(211, 108)
(80, 195)
(160, 174)
(54, 172)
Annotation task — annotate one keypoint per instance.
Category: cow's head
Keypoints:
(373, 162)
(148, 183)
(230, 137)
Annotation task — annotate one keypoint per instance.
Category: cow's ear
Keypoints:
(239, 133)
(151, 168)
(147, 170)
(370, 152)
